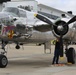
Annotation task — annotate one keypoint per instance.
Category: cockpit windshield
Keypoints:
(13, 11)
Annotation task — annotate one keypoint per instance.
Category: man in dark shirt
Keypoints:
(56, 52)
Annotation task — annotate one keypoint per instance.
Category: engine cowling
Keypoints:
(60, 28)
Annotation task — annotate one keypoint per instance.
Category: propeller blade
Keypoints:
(61, 46)
(71, 20)
(44, 19)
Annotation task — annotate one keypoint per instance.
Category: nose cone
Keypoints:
(60, 28)
(5, 18)
(3, 15)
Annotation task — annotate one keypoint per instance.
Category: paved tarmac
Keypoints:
(31, 60)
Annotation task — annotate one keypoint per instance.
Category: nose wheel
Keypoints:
(3, 61)
(3, 58)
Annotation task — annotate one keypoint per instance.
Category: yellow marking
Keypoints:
(61, 58)
(10, 34)
(69, 63)
(59, 65)
(35, 15)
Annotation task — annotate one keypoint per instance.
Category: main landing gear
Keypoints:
(70, 54)
(3, 58)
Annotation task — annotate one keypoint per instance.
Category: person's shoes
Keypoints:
(56, 65)
(52, 63)
(61, 64)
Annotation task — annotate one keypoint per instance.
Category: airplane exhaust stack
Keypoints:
(70, 12)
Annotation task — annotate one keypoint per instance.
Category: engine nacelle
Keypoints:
(60, 28)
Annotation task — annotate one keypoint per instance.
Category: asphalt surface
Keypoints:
(31, 60)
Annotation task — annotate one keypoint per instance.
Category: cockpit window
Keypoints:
(12, 10)
(22, 13)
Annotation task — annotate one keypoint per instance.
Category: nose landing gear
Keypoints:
(3, 61)
(3, 58)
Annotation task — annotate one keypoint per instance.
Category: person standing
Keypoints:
(56, 52)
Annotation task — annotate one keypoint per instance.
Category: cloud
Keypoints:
(64, 5)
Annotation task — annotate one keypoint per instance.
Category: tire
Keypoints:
(17, 47)
(3, 61)
(71, 55)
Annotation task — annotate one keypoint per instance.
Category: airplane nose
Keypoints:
(60, 28)
(3, 15)
(5, 18)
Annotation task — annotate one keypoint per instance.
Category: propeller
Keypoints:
(62, 27)
(43, 18)
(71, 20)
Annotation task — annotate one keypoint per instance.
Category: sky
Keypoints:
(64, 5)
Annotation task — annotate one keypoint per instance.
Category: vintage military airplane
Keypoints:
(24, 30)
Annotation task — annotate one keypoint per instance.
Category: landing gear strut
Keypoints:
(3, 58)
(70, 53)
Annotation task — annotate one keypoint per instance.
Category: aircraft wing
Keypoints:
(42, 26)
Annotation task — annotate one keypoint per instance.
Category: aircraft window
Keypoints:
(22, 13)
(14, 11)
(12, 14)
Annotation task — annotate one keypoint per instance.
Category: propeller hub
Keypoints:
(60, 28)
